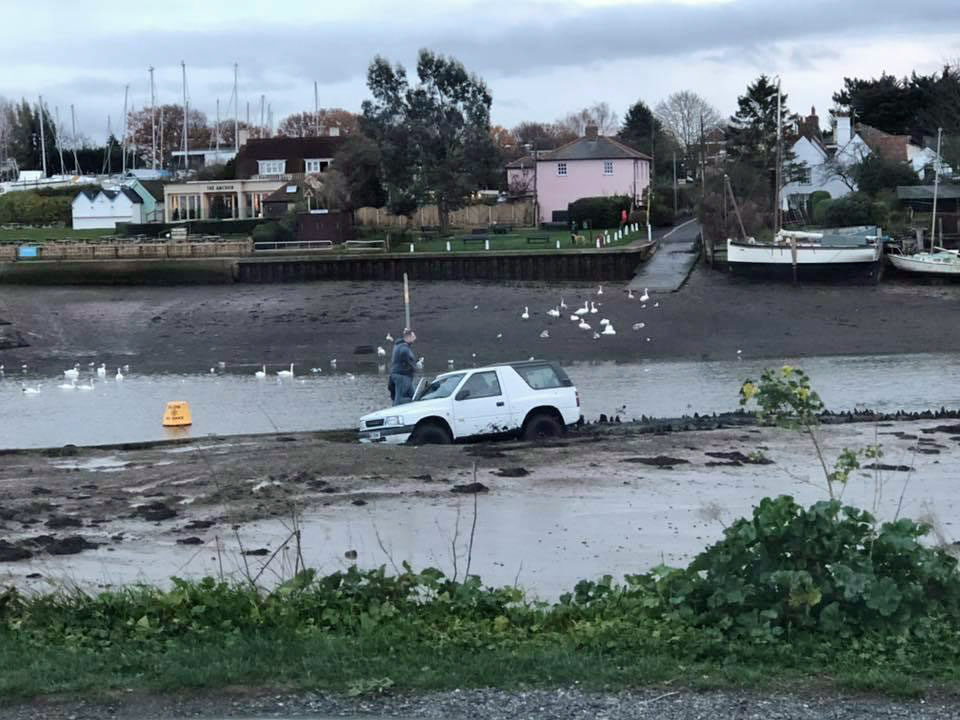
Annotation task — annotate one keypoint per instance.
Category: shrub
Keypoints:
(271, 232)
(875, 173)
(817, 197)
(661, 212)
(854, 209)
(600, 212)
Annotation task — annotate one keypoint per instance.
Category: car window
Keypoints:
(542, 377)
(481, 385)
(441, 387)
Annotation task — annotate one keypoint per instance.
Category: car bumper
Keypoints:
(389, 435)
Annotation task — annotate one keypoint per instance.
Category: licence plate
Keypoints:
(374, 436)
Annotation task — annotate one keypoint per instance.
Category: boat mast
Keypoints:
(59, 139)
(43, 142)
(236, 111)
(779, 171)
(153, 123)
(316, 110)
(123, 140)
(263, 120)
(161, 138)
(936, 188)
(186, 123)
(73, 140)
(217, 155)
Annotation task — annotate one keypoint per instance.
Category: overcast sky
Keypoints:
(540, 58)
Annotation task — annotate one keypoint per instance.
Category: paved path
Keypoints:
(672, 263)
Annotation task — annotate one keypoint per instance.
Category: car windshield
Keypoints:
(440, 387)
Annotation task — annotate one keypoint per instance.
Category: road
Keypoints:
(673, 261)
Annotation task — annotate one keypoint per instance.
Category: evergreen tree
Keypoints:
(642, 130)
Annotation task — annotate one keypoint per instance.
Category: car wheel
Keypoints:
(541, 426)
(430, 434)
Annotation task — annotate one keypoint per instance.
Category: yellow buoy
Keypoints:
(177, 414)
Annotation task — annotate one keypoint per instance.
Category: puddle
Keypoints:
(105, 464)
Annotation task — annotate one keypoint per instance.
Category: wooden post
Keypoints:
(406, 301)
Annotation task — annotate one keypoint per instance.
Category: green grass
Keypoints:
(34, 235)
(511, 241)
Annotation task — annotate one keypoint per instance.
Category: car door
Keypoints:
(480, 407)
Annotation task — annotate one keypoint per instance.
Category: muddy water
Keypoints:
(233, 401)
(584, 518)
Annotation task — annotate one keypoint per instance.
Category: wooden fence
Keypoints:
(510, 213)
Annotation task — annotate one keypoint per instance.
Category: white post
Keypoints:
(558, 244)
(649, 233)
(486, 244)
(411, 247)
(598, 243)
(448, 246)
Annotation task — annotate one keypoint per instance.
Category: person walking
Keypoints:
(403, 364)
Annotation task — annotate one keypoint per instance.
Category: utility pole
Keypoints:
(73, 141)
(123, 142)
(270, 118)
(674, 183)
(263, 116)
(43, 142)
(316, 110)
(59, 136)
(776, 195)
(236, 111)
(153, 124)
(936, 188)
(186, 121)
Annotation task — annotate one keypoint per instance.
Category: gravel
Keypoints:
(566, 704)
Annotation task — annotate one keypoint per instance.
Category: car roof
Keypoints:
(519, 363)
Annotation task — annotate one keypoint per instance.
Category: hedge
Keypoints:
(29, 207)
(194, 227)
(601, 212)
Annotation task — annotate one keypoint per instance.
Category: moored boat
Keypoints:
(941, 262)
(834, 251)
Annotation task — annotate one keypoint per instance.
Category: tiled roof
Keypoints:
(887, 146)
(603, 148)
(525, 162)
(276, 148)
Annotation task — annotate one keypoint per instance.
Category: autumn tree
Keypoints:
(169, 120)
(434, 137)
(306, 124)
(542, 136)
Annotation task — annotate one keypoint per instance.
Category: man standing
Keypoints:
(403, 364)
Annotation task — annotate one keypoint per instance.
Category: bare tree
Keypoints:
(6, 125)
(599, 114)
(680, 113)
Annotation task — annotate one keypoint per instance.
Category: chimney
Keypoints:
(591, 132)
(842, 130)
(243, 136)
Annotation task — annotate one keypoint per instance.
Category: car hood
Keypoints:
(413, 409)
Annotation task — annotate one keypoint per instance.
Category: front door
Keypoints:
(480, 408)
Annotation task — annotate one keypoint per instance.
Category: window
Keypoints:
(543, 377)
(561, 169)
(480, 385)
(441, 387)
(608, 167)
(271, 167)
(316, 165)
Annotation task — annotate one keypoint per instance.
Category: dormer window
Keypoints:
(271, 167)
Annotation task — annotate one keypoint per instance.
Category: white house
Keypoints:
(103, 209)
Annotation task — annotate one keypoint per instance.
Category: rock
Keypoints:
(658, 461)
(259, 552)
(56, 522)
(156, 511)
(69, 451)
(358, 502)
(199, 525)
(739, 457)
(470, 488)
(70, 545)
(34, 576)
(12, 553)
(190, 541)
(516, 472)
(889, 468)
(37, 490)
(423, 478)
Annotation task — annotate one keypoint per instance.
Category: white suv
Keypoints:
(532, 399)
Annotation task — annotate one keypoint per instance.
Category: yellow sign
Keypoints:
(177, 414)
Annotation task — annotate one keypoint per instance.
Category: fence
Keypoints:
(125, 250)
(510, 213)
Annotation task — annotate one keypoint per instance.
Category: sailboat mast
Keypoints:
(161, 138)
(59, 138)
(186, 123)
(43, 142)
(217, 155)
(776, 209)
(263, 119)
(936, 188)
(236, 111)
(123, 141)
(153, 123)
(73, 139)
(316, 110)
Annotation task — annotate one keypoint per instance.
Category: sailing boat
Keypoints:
(939, 261)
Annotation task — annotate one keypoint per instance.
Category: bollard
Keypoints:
(448, 246)
(411, 247)
(649, 233)
(558, 244)
(177, 414)
(486, 244)
(598, 243)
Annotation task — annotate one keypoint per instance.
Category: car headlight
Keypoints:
(394, 420)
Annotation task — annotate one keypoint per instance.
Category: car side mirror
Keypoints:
(463, 395)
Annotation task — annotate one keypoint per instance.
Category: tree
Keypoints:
(681, 114)
(885, 103)
(304, 124)
(643, 131)
(542, 136)
(434, 138)
(358, 160)
(169, 118)
(875, 173)
(599, 114)
(23, 137)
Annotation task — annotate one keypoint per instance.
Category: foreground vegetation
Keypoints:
(824, 595)
(40, 234)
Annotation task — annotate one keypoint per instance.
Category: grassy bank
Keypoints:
(34, 235)
(517, 240)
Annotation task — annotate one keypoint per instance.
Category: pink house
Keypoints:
(590, 166)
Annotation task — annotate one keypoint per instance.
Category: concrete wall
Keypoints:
(585, 178)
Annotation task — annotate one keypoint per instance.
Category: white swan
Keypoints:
(554, 312)
(73, 373)
(102, 370)
(608, 330)
(31, 390)
(88, 386)
(563, 305)
(333, 363)
(593, 308)
(545, 334)
(261, 374)
(574, 318)
(119, 375)
(600, 290)
(584, 310)
(381, 352)
(286, 373)
(72, 385)
(525, 315)
(629, 294)
(584, 325)
(645, 296)
(604, 321)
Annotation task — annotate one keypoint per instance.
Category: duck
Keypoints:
(119, 375)
(608, 330)
(102, 370)
(126, 368)
(333, 363)
(526, 313)
(261, 373)
(554, 312)
(286, 373)
(596, 336)
(645, 296)
(381, 352)
(499, 336)
(73, 373)
(450, 363)
(574, 318)
(316, 371)
(545, 334)
(656, 304)
(584, 325)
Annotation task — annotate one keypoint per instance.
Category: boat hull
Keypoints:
(806, 261)
(909, 264)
